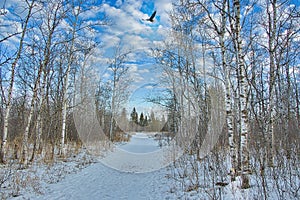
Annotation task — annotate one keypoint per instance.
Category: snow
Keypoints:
(101, 181)
(141, 154)
(140, 143)
(139, 170)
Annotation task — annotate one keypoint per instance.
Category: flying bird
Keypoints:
(151, 19)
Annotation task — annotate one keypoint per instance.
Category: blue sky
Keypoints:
(127, 27)
(132, 32)
(137, 35)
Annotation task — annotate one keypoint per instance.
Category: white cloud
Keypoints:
(163, 7)
(110, 40)
(136, 42)
(123, 21)
(126, 27)
(91, 13)
(144, 71)
(139, 75)
(132, 68)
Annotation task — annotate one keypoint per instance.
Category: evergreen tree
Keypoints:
(142, 120)
(146, 123)
(134, 116)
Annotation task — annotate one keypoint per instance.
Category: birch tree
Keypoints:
(243, 95)
(217, 23)
(75, 49)
(276, 21)
(54, 15)
(272, 23)
(75, 10)
(30, 7)
(119, 84)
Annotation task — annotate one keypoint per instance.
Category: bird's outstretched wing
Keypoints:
(152, 16)
(151, 19)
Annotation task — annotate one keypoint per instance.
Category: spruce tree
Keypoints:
(142, 120)
(146, 121)
(134, 116)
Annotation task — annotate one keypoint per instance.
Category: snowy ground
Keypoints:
(135, 170)
(100, 181)
(142, 154)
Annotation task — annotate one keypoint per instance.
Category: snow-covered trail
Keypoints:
(99, 181)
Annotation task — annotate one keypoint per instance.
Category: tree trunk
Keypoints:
(39, 123)
(11, 86)
(228, 97)
(272, 18)
(66, 82)
(44, 63)
(242, 99)
(111, 120)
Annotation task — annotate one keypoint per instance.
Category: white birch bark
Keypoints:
(111, 123)
(11, 85)
(47, 53)
(220, 31)
(66, 82)
(243, 99)
(39, 121)
(272, 19)
(229, 122)
(228, 97)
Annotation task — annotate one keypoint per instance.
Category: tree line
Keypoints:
(43, 49)
(134, 118)
(249, 52)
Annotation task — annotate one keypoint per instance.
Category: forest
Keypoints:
(230, 70)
